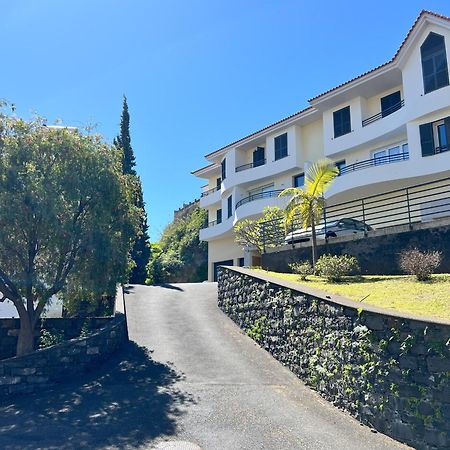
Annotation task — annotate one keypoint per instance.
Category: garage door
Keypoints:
(228, 262)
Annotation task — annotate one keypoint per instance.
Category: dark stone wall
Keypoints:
(69, 327)
(376, 254)
(390, 372)
(43, 368)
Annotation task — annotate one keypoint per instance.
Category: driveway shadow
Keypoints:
(128, 401)
(170, 286)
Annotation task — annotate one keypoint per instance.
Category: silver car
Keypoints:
(341, 227)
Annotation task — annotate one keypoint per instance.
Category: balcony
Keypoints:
(209, 191)
(261, 162)
(212, 224)
(258, 196)
(388, 159)
(386, 112)
(210, 197)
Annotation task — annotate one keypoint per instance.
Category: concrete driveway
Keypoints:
(235, 395)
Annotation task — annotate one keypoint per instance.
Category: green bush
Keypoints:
(48, 338)
(333, 267)
(418, 263)
(302, 268)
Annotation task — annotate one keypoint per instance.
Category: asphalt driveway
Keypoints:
(189, 379)
(239, 396)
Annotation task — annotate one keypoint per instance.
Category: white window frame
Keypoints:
(386, 151)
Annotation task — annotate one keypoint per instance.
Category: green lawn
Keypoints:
(399, 292)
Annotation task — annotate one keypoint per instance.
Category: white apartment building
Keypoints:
(386, 129)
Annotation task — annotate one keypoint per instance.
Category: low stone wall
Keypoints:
(69, 327)
(388, 243)
(43, 368)
(390, 371)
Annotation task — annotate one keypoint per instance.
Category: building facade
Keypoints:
(388, 128)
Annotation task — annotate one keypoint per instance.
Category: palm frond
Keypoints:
(319, 177)
(290, 191)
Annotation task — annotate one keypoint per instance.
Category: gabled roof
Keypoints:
(423, 13)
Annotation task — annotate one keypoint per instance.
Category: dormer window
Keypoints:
(434, 63)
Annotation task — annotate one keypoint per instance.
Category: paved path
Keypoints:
(231, 394)
(189, 379)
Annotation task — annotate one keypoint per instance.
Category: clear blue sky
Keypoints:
(198, 74)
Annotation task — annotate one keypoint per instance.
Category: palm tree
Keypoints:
(309, 201)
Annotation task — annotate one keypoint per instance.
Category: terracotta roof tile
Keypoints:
(422, 13)
(259, 131)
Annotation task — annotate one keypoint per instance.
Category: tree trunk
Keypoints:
(25, 343)
(314, 244)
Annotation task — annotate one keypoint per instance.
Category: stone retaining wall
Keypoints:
(368, 250)
(390, 371)
(43, 368)
(69, 327)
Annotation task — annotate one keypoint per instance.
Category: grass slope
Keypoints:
(399, 292)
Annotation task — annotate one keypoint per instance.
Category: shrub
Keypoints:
(418, 263)
(302, 268)
(48, 338)
(334, 267)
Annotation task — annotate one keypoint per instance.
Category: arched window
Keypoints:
(434, 63)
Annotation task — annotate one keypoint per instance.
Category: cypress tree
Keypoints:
(124, 141)
(140, 252)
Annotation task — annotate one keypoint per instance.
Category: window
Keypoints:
(405, 150)
(434, 63)
(258, 157)
(388, 155)
(223, 166)
(219, 216)
(299, 180)
(390, 103)
(241, 262)
(341, 120)
(281, 146)
(262, 192)
(230, 206)
(435, 137)
(340, 165)
(218, 182)
(442, 137)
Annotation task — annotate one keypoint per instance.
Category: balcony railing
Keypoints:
(261, 162)
(210, 191)
(411, 205)
(258, 196)
(212, 224)
(384, 113)
(374, 162)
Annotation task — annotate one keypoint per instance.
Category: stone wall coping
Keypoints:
(114, 322)
(333, 298)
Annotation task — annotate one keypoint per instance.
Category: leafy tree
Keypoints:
(140, 253)
(180, 256)
(66, 219)
(249, 232)
(309, 202)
